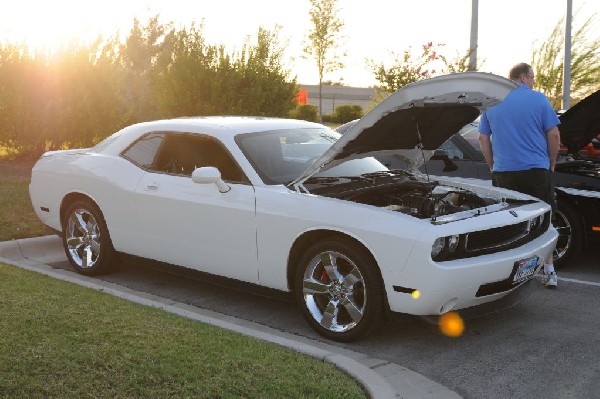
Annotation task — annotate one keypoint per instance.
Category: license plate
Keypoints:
(524, 269)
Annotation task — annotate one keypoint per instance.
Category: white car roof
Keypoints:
(221, 127)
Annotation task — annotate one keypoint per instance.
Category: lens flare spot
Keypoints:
(416, 294)
(451, 324)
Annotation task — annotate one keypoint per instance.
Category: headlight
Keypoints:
(453, 243)
(536, 222)
(438, 246)
(533, 223)
(542, 219)
(448, 248)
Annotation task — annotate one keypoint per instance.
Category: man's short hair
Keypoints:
(518, 70)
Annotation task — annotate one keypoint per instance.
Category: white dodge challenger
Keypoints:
(291, 205)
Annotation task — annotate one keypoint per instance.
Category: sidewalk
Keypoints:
(381, 379)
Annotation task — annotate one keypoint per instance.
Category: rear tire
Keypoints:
(86, 239)
(339, 290)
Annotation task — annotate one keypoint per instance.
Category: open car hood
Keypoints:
(580, 123)
(414, 121)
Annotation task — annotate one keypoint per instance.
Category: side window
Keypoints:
(452, 150)
(182, 153)
(143, 151)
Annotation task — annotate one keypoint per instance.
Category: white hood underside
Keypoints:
(415, 120)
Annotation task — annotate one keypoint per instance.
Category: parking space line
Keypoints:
(572, 280)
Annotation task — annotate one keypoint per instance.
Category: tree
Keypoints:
(187, 76)
(404, 69)
(201, 79)
(71, 98)
(19, 72)
(263, 84)
(409, 68)
(547, 60)
(89, 103)
(78, 96)
(323, 40)
(458, 64)
(139, 56)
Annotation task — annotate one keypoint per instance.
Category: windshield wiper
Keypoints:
(323, 179)
(317, 179)
(385, 173)
(334, 179)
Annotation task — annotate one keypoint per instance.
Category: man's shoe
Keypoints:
(550, 280)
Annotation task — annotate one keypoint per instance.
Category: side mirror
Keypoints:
(440, 155)
(210, 175)
(596, 143)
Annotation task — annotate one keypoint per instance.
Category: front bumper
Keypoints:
(436, 288)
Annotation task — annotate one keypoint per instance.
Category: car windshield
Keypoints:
(280, 156)
(470, 133)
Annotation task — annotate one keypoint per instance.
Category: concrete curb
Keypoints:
(380, 379)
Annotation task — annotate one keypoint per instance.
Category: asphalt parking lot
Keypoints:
(546, 346)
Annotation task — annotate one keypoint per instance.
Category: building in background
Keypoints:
(334, 96)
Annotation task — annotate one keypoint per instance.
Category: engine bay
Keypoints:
(406, 194)
(580, 167)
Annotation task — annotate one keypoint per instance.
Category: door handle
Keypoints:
(152, 186)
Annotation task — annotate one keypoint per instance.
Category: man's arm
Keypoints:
(486, 147)
(553, 135)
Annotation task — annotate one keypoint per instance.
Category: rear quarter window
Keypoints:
(143, 151)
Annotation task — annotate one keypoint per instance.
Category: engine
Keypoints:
(426, 205)
(419, 199)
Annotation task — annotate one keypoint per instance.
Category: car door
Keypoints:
(195, 225)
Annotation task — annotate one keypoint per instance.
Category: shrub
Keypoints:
(329, 118)
(307, 112)
(347, 113)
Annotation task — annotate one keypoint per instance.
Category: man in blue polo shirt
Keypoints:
(520, 140)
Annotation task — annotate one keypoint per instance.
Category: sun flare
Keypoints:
(451, 324)
(44, 25)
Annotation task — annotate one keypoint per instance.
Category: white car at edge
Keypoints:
(290, 205)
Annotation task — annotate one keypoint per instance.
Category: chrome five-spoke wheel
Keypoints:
(339, 290)
(334, 291)
(83, 238)
(86, 240)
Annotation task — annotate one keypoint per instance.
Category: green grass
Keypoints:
(60, 340)
(17, 215)
(18, 220)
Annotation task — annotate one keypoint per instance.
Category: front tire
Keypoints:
(339, 290)
(86, 239)
(570, 234)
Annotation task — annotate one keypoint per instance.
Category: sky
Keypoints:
(373, 30)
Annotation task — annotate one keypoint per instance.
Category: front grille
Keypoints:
(494, 240)
(496, 237)
(503, 238)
